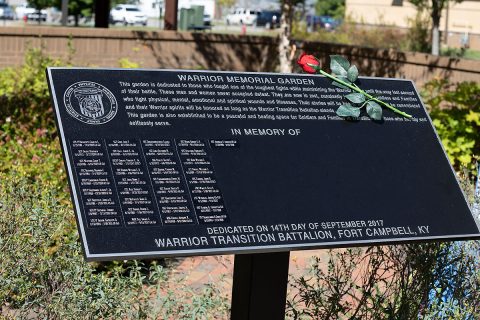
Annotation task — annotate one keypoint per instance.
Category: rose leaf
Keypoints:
(374, 110)
(355, 97)
(347, 110)
(352, 73)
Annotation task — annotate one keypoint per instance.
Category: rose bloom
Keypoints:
(305, 60)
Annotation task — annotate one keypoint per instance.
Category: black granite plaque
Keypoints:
(190, 162)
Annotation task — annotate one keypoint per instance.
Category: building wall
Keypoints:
(463, 17)
(184, 50)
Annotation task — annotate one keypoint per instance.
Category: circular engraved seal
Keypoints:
(90, 102)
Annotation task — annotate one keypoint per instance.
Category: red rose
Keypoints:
(306, 61)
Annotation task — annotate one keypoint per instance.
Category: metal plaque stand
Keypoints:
(260, 286)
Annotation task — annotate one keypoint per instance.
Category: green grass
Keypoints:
(457, 53)
(472, 54)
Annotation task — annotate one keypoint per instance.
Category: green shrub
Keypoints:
(24, 93)
(352, 33)
(460, 53)
(41, 261)
(415, 281)
(419, 33)
(455, 110)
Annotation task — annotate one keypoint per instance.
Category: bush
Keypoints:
(419, 33)
(455, 110)
(24, 95)
(351, 33)
(427, 281)
(43, 269)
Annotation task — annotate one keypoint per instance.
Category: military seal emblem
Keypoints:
(90, 102)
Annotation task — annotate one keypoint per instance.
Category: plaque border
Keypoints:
(234, 250)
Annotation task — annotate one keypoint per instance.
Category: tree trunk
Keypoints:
(77, 18)
(64, 13)
(284, 47)
(435, 40)
(436, 13)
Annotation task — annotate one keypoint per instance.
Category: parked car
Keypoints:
(207, 20)
(269, 19)
(242, 16)
(37, 15)
(329, 23)
(6, 12)
(25, 11)
(325, 22)
(128, 14)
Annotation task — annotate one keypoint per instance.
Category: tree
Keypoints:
(285, 50)
(333, 8)
(222, 5)
(435, 7)
(78, 8)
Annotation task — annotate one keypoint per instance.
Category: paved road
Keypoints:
(154, 24)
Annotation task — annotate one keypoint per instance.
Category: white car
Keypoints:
(242, 16)
(128, 14)
(6, 11)
(24, 10)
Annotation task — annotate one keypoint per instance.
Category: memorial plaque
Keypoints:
(174, 162)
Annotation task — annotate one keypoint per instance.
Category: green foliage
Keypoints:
(456, 282)
(461, 53)
(354, 34)
(42, 269)
(24, 93)
(226, 3)
(334, 8)
(419, 33)
(40, 4)
(78, 7)
(128, 64)
(434, 9)
(455, 110)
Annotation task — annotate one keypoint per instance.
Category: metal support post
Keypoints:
(260, 286)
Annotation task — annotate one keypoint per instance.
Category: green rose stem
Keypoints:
(357, 89)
